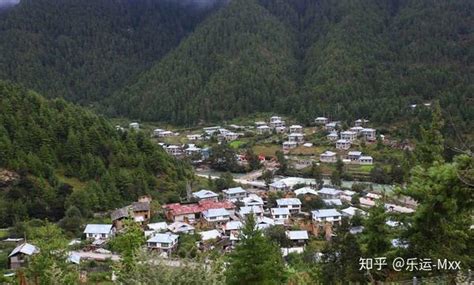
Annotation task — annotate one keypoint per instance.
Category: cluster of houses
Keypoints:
(219, 218)
(353, 157)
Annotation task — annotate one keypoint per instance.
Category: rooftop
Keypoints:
(297, 235)
(24, 248)
(164, 238)
(329, 191)
(202, 194)
(323, 213)
(288, 201)
(98, 229)
(235, 190)
(215, 213)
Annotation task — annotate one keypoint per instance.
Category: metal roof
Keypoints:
(215, 213)
(212, 234)
(234, 190)
(329, 191)
(164, 238)
(323, 213)
(98, 229)
(201, 194)
(25, 248)
(297, 235)
(288, 201)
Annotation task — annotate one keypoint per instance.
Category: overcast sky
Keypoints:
(8, 2)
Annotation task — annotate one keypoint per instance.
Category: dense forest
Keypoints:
(182, 63)
(85, 50)
(62, 156)
(337, 58)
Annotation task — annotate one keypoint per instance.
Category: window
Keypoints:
(102, 235)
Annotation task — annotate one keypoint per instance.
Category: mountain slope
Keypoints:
(84, 50)
(66, 156)
(239, 61)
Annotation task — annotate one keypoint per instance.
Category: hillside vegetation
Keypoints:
(85, 50)
(343, 59)
(67, 156)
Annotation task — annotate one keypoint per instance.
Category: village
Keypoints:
(308, 211)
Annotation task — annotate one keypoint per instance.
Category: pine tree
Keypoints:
(255, 260)
(431, 146)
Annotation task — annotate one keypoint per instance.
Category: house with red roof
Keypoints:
(191, 212)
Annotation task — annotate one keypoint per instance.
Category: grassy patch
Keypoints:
(236, 144)
(74, 182)
(267, 149)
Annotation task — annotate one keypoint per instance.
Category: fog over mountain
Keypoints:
(8, 3)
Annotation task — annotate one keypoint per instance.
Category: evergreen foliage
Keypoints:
(50, 142)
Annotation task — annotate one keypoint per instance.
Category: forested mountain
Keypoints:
(239, 61)
(65, 156)
(343, 59)
(85, 50)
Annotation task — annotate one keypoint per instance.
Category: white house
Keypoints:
(321, 120)
(360, 122)
(329, 193)
(366, 160)
(180, 227)
(165, 134)
(369, 134)
(210, 235)
(328, 156)
(211, 130)
(264, 222)
(229, 136)
(275, 119)
(280, 130)
(253, 200)
(243, 212)
(134, 126)
(326, 215)
(230, 226)
(166, 242)
(349, 135)
(297, 138)
(299, 237)
(236, 193)
(279, 186)
(296, 129)
(331, 126)
(352, 211)
(194, 137)
(260, 123)
(156, 132)
(99, 231)
(192, 150)
(174, 150)
(292, 204)
(220, 215)
(332, 136)
(289, 145)
(263, 129)
(354, 155)
(205, 195)
(280, 215)
(343, 144)
(356, 129)
(277, 124)
(158, 227)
